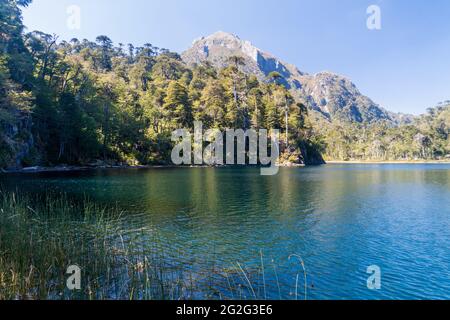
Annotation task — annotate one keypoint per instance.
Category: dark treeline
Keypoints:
(79, 101)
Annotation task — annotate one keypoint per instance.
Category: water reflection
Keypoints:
(339, 218)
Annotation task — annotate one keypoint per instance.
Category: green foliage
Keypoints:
(427, 138)
(80, 101)
(93, 100)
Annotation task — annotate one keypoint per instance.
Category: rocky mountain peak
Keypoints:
(221, 37)
(228, 42)
(330, 95)
(220, 46)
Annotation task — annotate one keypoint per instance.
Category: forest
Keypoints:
(427, 138)
(80, 102)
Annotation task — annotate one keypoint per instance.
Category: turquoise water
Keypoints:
(340, 219)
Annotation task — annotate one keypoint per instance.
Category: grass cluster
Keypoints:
(40, 237)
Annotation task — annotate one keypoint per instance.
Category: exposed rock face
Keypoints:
(16, 142)
(220, 46)
(337, 98)
(402, 118)
(330, 95)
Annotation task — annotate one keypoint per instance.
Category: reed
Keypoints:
(41, 236)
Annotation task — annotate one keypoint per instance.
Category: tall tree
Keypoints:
(177, 105)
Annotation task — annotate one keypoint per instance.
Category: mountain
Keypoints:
(329, 95)
(220, 46)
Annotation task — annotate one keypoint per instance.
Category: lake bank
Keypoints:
(42, 169)
(389, 162)
(39, 169)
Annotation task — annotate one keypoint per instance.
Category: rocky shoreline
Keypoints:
(67, 168)
(40, 169)
(63, 168)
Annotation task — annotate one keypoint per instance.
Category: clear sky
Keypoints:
(404, 67)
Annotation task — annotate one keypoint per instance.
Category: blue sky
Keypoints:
(404, 67)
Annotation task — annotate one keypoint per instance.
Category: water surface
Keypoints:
(339, 218)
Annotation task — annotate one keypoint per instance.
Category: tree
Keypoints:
(212, 101)
(237, 61)
(288, 102)
(177, 105)
(106, 46)
(255, 100)
(274, 77)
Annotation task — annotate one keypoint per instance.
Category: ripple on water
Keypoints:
(339, 219)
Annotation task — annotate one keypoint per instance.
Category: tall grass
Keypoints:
(40, 237)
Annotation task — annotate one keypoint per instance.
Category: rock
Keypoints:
(31, 169)
(97, 163)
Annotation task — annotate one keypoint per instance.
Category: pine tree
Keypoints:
(177, 105)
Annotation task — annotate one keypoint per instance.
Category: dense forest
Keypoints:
(427, 138)
(82, 102)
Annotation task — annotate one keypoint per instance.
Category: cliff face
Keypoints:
(329, 95)
(16, 143)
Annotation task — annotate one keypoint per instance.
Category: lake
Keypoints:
(340, 219)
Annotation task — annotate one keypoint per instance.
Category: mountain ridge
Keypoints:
(330, 95)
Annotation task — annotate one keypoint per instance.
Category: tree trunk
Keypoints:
(256, 112)
(287, 126)
(61, 150)
(105, 130)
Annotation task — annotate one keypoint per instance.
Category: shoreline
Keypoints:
(389, 162)
(39, 169)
